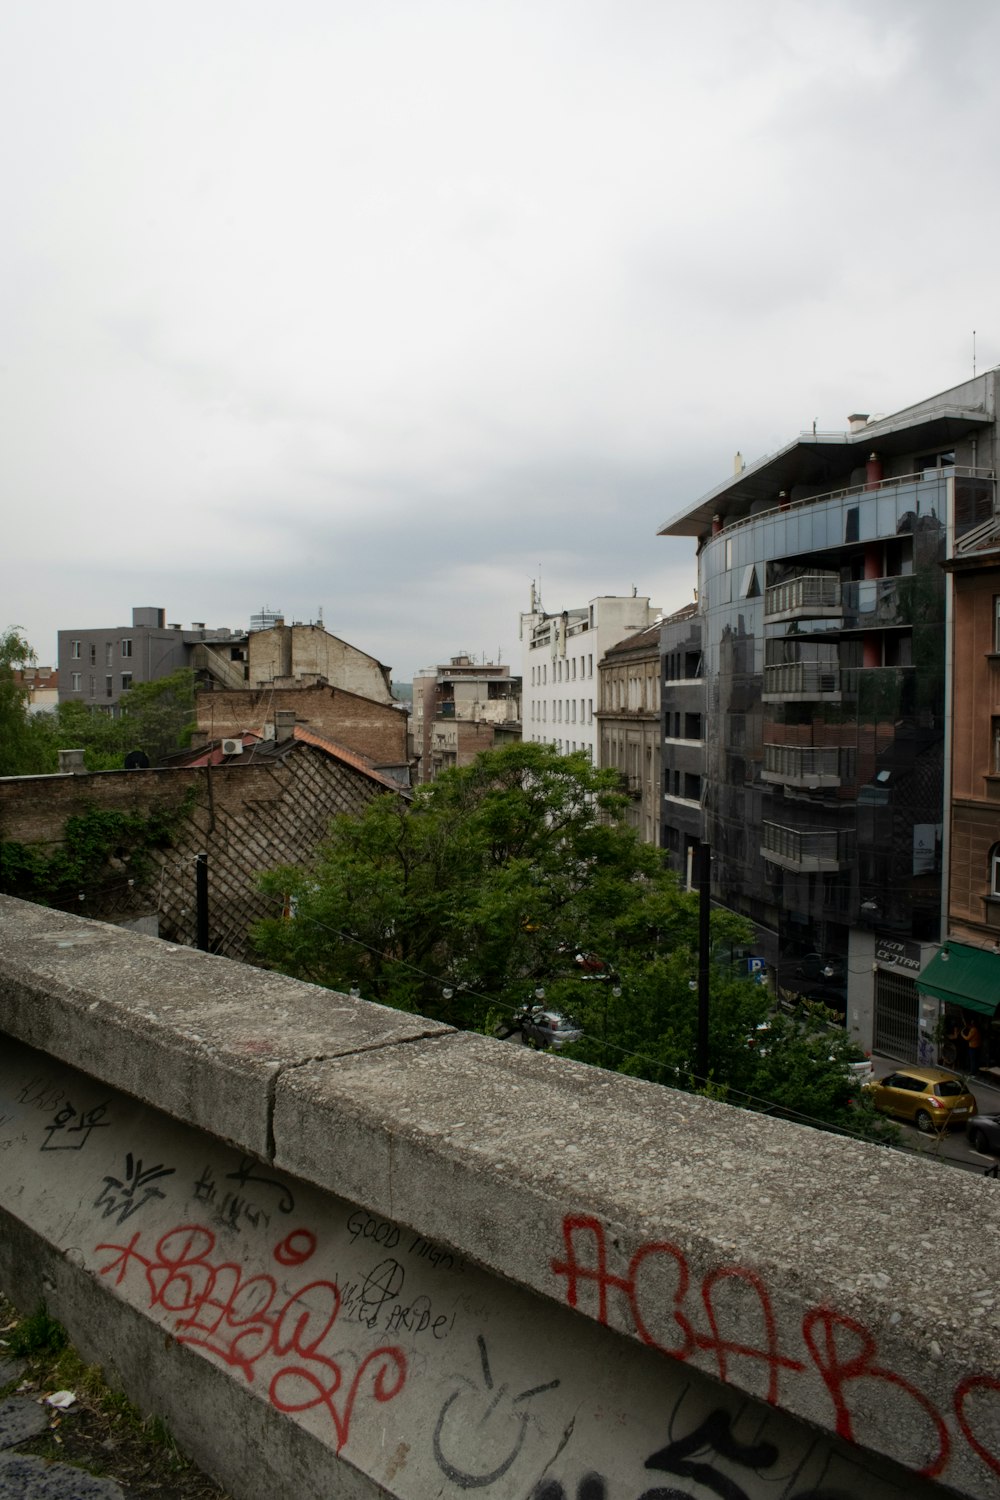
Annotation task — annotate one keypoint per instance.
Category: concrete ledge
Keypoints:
(201, 1038)
(851, 1286)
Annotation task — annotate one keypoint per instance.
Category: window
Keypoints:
(76, 651)
(109, 686)
(996, 623)
(75, 677)
(995, 726)
(995, 871)
(126, 681)
(93, 684)
(590, 664)
(108, 653)
(590, 710)
(93, 654)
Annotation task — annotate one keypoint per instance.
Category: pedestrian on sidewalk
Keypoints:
(972, 1040)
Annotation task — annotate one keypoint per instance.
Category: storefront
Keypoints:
(900, 1025)
(964, 982)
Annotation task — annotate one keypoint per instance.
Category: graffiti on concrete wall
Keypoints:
(246, 1321)
(671, 1314)
(426, 1373)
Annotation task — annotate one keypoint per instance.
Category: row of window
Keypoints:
(563, 669)
(564, 711)
(565, 747)
(76, 684)
(124, 649)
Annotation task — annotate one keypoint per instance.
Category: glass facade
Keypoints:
(824, 675)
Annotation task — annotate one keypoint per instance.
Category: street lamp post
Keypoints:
(704, 947)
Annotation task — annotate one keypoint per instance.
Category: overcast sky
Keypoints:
(388, 308)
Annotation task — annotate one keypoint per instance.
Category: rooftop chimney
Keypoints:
(857, 420)
(72, 761)
(284, 724)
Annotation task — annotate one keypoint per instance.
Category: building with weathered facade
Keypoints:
(461, 709)
(40, 686)
(373, 728)
(629, 725)
(964, 976)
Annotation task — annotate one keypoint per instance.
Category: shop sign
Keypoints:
(900, 954)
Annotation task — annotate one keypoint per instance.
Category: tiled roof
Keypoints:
(348, 757)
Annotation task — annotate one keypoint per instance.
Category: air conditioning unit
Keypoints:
(232, 747)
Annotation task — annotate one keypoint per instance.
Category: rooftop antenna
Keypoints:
(321, 614)
(973, 354)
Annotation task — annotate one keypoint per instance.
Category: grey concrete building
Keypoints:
(97, 665)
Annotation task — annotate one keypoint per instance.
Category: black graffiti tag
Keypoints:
(490, 1411)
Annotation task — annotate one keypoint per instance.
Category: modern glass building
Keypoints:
(825, 635)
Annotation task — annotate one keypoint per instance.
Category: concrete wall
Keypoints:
(346, 1251)
(301, 650)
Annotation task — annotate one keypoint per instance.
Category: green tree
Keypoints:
(155, 717)
(517, 873)
(26, 744)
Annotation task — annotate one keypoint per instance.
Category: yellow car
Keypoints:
(930, 1098)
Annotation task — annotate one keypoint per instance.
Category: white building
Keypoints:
(559, 658)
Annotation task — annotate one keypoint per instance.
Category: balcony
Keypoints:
(806, 849)
(801, 765)
(815, 596)
(802, 681)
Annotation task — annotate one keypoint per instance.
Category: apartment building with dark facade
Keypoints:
(825, 629)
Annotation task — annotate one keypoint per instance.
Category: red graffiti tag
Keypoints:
(963, 1391)
(589, 1265)
(239, 1320)
(838, 1368)
(840, 1351)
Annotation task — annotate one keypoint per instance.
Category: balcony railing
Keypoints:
(975, 480)
(806, 849)
(813, 596)
(802, 765)
(806, 680)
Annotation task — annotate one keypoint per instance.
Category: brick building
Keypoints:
(270, 805)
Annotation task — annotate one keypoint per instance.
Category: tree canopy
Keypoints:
(155, 717)
(25, 743)
(517, 874)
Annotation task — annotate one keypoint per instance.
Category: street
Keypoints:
(952, 1147)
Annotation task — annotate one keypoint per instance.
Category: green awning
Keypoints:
(964, 976)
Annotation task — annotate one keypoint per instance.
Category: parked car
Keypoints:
(984, 1134)
(929, 1097)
